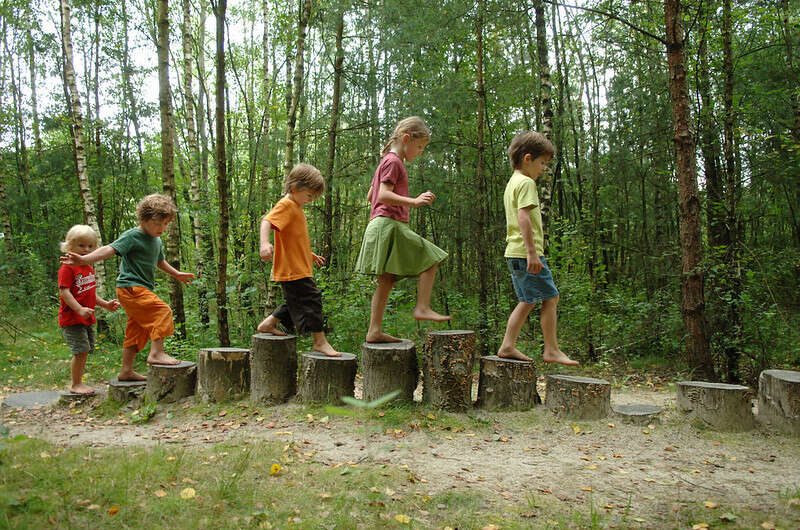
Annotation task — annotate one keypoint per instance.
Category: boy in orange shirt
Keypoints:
(292, 266)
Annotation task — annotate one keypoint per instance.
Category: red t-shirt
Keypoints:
(80, 281)
(392, 171)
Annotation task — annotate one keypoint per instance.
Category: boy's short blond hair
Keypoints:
(529, 143)
(79, 233)
(156, 206)
(304, 176)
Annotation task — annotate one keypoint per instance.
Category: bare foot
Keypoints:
(131, 376)
(326, 349)
(162, 359)
(82, 389)
(559, 357)
(513, 353)
(430, 314)
(270, 325)
(381, 337)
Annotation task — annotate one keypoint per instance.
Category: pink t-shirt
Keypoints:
(391, 170)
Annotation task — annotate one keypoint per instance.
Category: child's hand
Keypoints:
(534, 264)
(113, 305)
(71, 258)
(85, 312)
(266, 251)
(184, 277)
(318, 260)
(424, 198)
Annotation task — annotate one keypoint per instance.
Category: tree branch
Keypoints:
(611, 16)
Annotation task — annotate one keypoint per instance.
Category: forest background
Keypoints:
(672, 208)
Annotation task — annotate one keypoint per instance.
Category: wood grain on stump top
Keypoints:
(318, 355)
(446, 332)
(117, 382)
(717, 386)
(270, 336)
(789, 376)
(579, 379)
(497, 359)
(183, 364)
(404, 344)
(226, 353)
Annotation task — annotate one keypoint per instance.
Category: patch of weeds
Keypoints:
(144, 413)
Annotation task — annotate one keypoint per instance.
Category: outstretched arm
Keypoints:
(183, 277)
(108, 305)
(71, 258)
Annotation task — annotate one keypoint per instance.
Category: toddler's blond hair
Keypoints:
(79, 233)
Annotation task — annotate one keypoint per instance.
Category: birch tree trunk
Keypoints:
(31, 48)
(222, 178)
(692, 297)
(546, 102)
(297, 87)
(128, 90)
(480, 175)
(168, 162)
(327, 220)
(74, 101)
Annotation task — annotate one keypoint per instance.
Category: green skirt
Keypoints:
(390, 246)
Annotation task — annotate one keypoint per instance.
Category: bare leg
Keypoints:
(157, 355)
(549, 321)
(322, 345)
(77, 366)
(127, 373)
(423, 310)
(508, 350)
(378, 307)
(270, 325)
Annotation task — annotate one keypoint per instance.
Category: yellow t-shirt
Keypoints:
(521, 193)
(292, 259)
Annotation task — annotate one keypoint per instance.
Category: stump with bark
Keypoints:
(387, 367)
(721, 406)
(124, 391)
(447, 371)
(779, 399)
(169, 383)
(507, 384)
(326, 379)
(639, 413)
(581, 398)
(222, 373)
(273, 368)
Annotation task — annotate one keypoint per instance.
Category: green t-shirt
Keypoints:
(140, 254)
(521, 193)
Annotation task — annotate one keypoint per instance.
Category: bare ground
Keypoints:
(648, 472)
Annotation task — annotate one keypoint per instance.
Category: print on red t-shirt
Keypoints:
(81, 283)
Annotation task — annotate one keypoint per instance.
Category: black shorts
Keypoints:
(302, 307)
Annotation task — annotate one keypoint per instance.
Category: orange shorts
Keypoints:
(148, 316)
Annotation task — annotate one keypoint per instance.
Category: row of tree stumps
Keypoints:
(268, 371)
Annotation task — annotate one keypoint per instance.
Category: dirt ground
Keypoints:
(649, 471)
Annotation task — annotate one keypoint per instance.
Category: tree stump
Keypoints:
(721, 406)
(273, 368)
(447, 375)
(779, 399)
(639, 414)
(326, 379)
(507, 384)
(170, 383)
(222, 373)
(125, 391)
(580, 398)
(387, 367)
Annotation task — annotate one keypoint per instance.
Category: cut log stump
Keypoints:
(721, 406)
(581, 398)
(447, 370)
(779, 400)
(326, 379)
(168, 384)
(639, 414)
(125, 391)
(387, 367)
(273, 368)
(507, 384)
(222, 373)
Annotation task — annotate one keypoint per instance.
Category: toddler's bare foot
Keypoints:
(512, 353)
(380, 336)
(82, 389)
(559, 357)
(270, 328)
(326, 349)
(131, 376)
(162, 359)
(430, 314)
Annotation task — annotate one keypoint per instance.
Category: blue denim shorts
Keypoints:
(531, 288)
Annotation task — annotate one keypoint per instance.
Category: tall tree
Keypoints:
(692, 296)
(220, 7)
(297, 86)
(328, 221)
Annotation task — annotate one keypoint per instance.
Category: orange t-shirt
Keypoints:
(292, 259)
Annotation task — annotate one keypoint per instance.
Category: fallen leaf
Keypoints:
(768, 525)
(44, 455)
(289, 433)
(794, 502)
(611, 425)
(491, 527)
(699, 526)
(113, 510)
(402, 518)
(576, 429)
(592, 467)
(645, 431)
(161, 493)
(188, 493)
(275, 469)
(389, 492)
(586, 488)
(93, 507)
(728, 517)
(431, 416)
(711, 505)
(325, 495)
